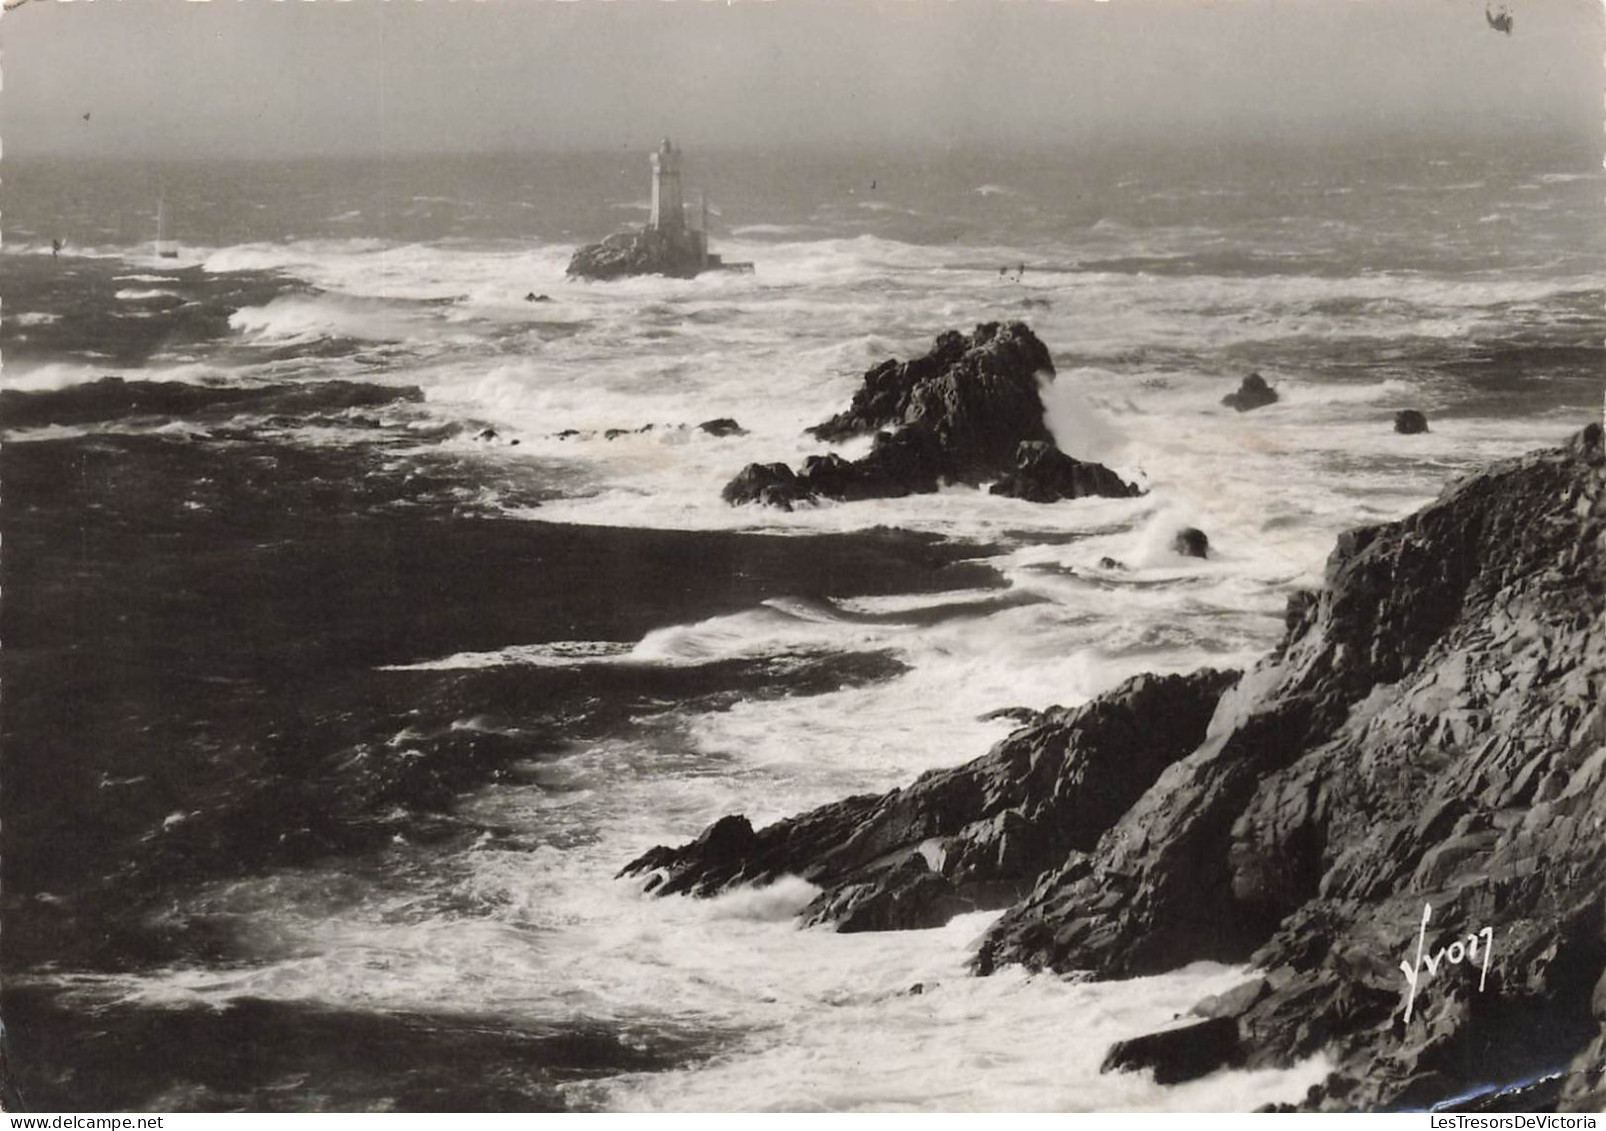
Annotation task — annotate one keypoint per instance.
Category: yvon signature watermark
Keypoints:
(1481, 943)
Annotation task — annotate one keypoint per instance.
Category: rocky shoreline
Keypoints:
(1429, 734)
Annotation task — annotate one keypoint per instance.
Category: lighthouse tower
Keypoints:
(668, 214)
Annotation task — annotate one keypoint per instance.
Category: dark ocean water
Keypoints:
(348, 655)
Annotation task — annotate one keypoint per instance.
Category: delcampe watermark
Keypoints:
(1462, 950)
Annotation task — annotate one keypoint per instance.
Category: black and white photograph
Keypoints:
(827, 556)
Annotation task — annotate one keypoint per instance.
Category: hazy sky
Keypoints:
(270, 77)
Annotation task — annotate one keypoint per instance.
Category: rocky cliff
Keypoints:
(1403, 808)
(968, 411)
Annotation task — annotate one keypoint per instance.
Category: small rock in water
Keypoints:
(486, 435)
(1410, 422)
(1253, 393)
(1191, 542)
(723, 426)
(1111, 563)
(533, 297)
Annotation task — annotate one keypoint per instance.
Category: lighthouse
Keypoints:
(671, 243)
(668, 212)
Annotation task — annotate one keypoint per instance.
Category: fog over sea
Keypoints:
(333, 709)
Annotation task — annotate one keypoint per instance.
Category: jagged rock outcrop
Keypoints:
(1410, 422)
(1430, 733)
(967, 412)
(1252, 393)
(644, 252)
(972, 837)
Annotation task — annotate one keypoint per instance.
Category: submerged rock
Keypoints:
(1251, 394)
(966, 412)
(1421, 758)
(1410, 422)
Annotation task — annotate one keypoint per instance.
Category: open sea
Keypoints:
(357, 638)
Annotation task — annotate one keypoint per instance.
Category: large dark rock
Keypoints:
(967, 412)
(1252, 393)
(1410, 422)
(645, 252)
(976, 395)
(971, 837)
